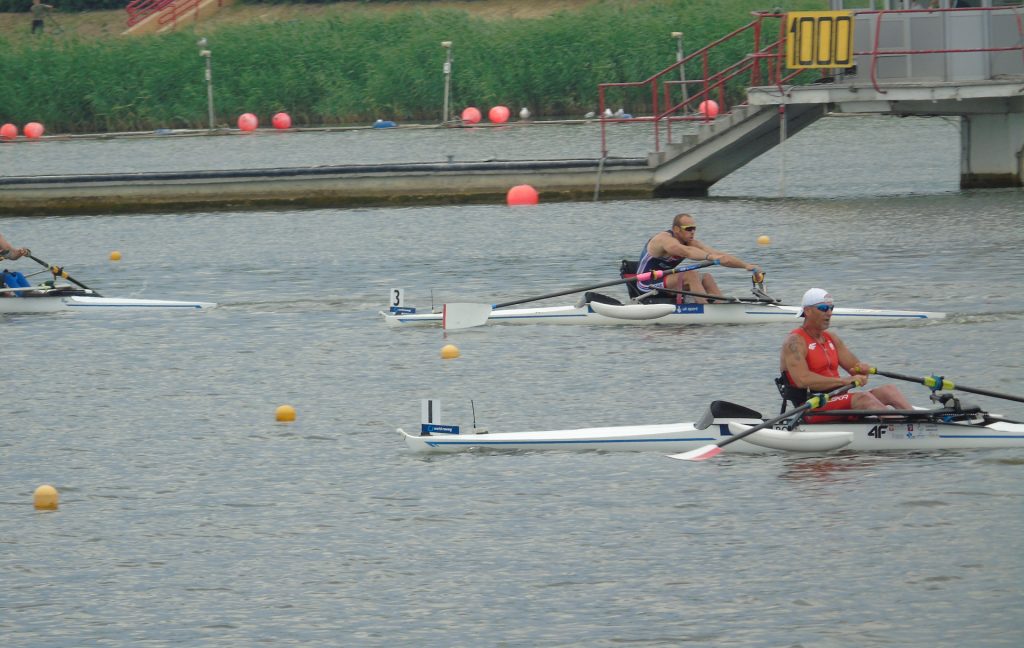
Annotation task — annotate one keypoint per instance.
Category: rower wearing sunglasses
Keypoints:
(668, 249)
(810, 362)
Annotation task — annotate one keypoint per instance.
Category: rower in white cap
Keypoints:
(810, 362)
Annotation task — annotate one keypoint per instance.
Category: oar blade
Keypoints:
(464, 315)
(700, 454)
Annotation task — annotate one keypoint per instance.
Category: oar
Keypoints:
(938, 382)
(708, 451)
(468, 315)
(60, 272)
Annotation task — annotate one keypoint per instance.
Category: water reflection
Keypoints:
(828, 469)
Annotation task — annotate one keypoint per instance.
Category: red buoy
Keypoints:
(281, 120)
(248, 122)
(499, 114)
(522, 194)
(8, 131)
(708, 108)
(471, 115)
(33, 130)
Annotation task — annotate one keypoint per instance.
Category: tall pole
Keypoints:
(682, 68)
(206, 54)
(447, 45)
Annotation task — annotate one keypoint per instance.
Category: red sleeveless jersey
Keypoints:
(822, 359)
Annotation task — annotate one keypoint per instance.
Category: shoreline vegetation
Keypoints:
(352, 63)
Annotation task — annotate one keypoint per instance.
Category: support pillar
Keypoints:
(992, 149)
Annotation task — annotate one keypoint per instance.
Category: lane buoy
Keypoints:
(471, 115)
(522, 194)
(498, 114)
(281, 120)
(764, 239)
(115, 256)
(46, 498)
(33, 130)
(285, 413)
(449, 352)
(708, 108)
(8, 131)
(248, 122)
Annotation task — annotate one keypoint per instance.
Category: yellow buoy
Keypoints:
(764, 239)
(115, 256)
(449, 351)
(46, 498)
(285, 413)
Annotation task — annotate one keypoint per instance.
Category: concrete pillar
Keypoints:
(992, 150)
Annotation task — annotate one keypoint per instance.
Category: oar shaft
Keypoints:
(938, 382)
(641, 277)
(63, 274)
(812, 403)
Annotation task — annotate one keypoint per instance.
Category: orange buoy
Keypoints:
(708, 108)
(281, 120)
(248, 122)
(46, 498)
(499, 114)
(8, 131)
(33, 130)
(522, 194)
(471, 115)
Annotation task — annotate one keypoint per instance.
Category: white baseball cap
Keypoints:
(813, 297)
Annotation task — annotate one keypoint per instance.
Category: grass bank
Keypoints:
(343, 67)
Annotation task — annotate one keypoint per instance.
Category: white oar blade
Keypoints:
(461, 316)
(700, 454)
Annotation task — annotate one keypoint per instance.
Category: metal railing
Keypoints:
(763, 64)
(139, 10)
(875, 52)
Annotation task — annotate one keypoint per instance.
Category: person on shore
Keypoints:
(39, 11)
(811, 358)
(668, 249)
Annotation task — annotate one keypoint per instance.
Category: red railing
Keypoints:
(177, 9)
(771, 56)
(874, 53)
(763, 64)
(170, 10)
(139, 10)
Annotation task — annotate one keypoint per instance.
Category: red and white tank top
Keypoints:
(822, 359)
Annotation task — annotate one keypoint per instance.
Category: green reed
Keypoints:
(349, 69)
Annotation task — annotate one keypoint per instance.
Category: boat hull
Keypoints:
(56, 303)
(682, 314)
(863, 436)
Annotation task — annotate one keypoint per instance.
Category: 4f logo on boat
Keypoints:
(878, 431)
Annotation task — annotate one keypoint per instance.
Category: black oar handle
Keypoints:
(570, 291)
(812, 403)
(938, 382)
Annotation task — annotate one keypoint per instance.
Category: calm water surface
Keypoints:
(190, 517)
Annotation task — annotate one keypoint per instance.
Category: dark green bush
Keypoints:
(361, 67)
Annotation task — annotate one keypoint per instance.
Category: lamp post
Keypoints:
(447, 45)
(205, 53)
(682, 68)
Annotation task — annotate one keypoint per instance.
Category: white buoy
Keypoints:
(524, 113)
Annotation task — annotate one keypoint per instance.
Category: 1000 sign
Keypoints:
(819, 39)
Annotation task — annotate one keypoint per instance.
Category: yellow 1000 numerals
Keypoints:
(819, 39)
